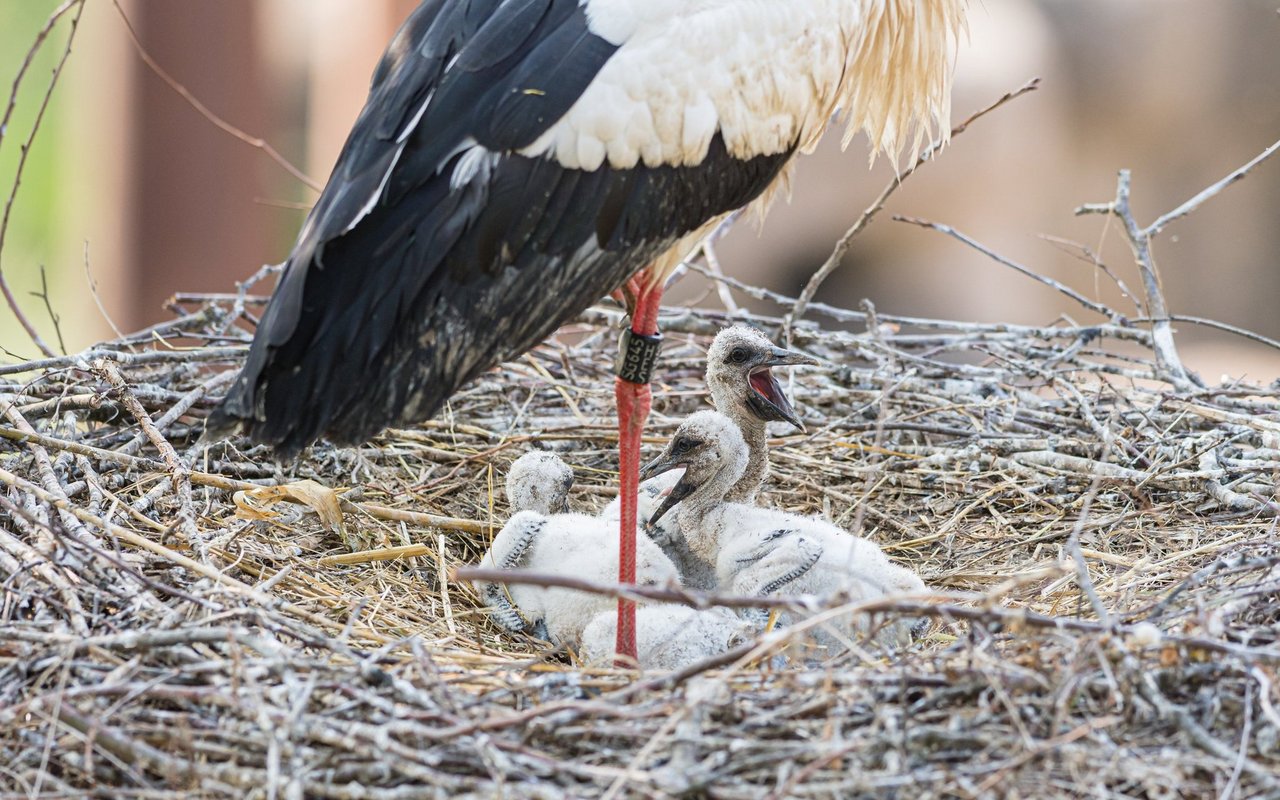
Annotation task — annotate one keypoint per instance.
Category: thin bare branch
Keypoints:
(204, 111)
(846, 241)
(1164, 220)
(1113, 316)
(1236, 330)
(1168, 362)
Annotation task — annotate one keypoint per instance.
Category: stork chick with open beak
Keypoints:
(740, 366)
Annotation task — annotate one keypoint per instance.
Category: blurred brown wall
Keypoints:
(203, 209)
(193, 213)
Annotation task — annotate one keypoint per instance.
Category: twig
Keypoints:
(1186, 208)
(672, 594)
(43, 296)
(1073, 540)
(387, 514)
(1113, 316)
(203, 110)
(1202, 738)
(1246, 731)
(1086, 254)
(1220, 326)
(708, 248)
(97, 298)
(846, 241)
(179, 471)
(1264, 696)
(80, 360)
(1167, 361)
(883, 413)
(177, 410)
(905, 606)
(1212, 468)
(242, 297)
(442, 573)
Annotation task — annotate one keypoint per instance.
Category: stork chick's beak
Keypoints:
(780, 357)
(665, 463)
(766, 399)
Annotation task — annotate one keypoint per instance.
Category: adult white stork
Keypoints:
(519, 159)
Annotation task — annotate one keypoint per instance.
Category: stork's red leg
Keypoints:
(635, 364)
(627, 293)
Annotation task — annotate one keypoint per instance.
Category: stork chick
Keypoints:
(571, 545)
(738, 538)
(743, 387)
(668, 636)
(539, 481)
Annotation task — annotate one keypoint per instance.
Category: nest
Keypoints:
(1100, 538)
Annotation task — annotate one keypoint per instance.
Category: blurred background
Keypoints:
(129, 187)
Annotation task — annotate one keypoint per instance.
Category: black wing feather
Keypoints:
(385, 309)
(565, 60)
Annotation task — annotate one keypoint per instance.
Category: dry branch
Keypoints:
(846, 241)
(204, 111)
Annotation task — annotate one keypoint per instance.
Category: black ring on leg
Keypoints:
(637, 356)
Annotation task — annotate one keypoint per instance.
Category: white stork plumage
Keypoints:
(519, 159)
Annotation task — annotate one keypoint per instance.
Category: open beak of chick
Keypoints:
(683, 488)
(766, 398)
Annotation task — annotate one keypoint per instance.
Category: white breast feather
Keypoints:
(768, 75)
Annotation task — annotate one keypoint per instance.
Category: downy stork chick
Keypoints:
(539, 481)
(737, 538)
(743, 388)
(572, 545)
(668, 636)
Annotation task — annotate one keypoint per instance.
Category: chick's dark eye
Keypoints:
(683, 445)
(739, 354)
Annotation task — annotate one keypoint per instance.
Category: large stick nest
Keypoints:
(1102, 545)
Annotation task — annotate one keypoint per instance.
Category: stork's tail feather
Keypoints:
(234, 415)
(227, 418)
(289, 404)
(358, 359)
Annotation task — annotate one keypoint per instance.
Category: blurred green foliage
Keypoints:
(32, 240)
